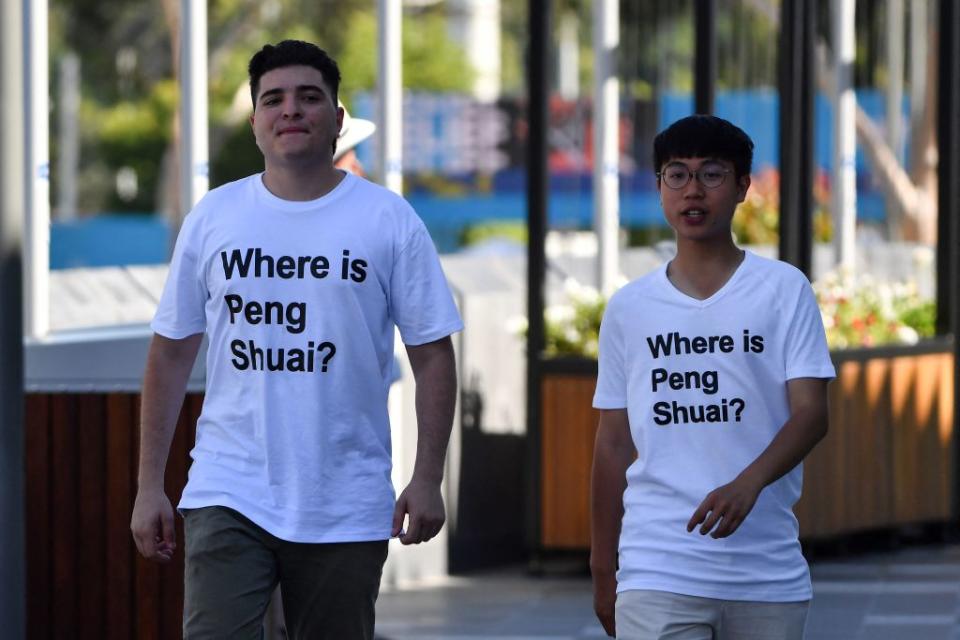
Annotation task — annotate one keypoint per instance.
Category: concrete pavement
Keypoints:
(909, 594)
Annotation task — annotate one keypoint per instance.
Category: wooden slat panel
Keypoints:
(39, 533)
(65, 516)
(886, 461)
(567, 458)
(91, 538)
(121, 449)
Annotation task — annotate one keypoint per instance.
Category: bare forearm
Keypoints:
(797, 438)
(434, 369)
(613, 453)
(165, 380)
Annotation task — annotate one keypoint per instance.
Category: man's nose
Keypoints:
(694, 188)
(291, 107)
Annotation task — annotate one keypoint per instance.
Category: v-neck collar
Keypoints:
(717, 295)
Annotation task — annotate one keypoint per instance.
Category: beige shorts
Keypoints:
(661, 615)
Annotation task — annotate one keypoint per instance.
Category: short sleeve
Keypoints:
(182, 308)
(421, 304)
(611, 391)
(806, 352)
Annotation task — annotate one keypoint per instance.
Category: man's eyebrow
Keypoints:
(300, 87)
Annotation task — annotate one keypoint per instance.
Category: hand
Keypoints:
(423, 503)
(605, 600)
(152, 526)
(728, 505)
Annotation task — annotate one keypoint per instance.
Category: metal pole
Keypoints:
(538, 57)
(606, 142)
(844, 137)
(390, 90)
(195, 154)
(37, 160)
(796, 133)
(948, 236)
(12, 200)
(705, 56)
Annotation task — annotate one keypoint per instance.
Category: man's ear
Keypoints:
(743, 183)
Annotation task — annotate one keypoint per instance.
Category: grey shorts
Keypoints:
(232, 567)
(660, 615)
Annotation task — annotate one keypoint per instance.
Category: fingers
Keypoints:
(728, 526)
(609, 625)
(413, 533)
(421, 529)
(700, 514)
(399, 511)
(155, 541)
(722, 519)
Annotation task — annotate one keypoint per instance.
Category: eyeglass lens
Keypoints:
(710, 175)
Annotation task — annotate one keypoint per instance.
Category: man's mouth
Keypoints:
(291, 130)
(694, 214)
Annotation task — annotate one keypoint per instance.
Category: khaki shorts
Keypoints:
(660, 615)
(329, 591)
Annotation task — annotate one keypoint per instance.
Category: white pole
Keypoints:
(36, 263)
(918, 63)
(845, 137)
(895, 34)
(475, 24)
(568, 56)
(194, 159)
(606, 156)
(68, 161)
(390, 90)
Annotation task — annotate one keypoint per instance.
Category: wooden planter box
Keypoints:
(886, 462)
(85, 578)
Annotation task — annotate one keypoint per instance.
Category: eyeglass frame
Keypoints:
(694, 173)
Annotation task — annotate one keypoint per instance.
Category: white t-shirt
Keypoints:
(299, 302)
(704, 385)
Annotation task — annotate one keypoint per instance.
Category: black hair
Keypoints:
(704, 136)
(289, 53)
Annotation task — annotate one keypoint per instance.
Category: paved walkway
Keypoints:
(911, 594)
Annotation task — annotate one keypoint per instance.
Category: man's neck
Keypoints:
(301, 182)
(700, 270)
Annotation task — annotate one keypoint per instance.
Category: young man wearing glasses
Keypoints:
(712, 388)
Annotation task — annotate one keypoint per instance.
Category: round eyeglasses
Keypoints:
(676, 175)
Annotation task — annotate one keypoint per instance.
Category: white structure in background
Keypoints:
(845, 136)
(195, 128)
(476, 25)
(568, 56)
(390, 92)
(36, 246)
(68, 162)
(606, 141)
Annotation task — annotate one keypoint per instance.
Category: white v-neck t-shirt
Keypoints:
(704, 385)
(299, 301)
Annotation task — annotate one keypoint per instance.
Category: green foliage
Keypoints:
(919, 315)
(506, 230)
(432, 61)
(861, 312)
(757, 220)
(573, 329)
